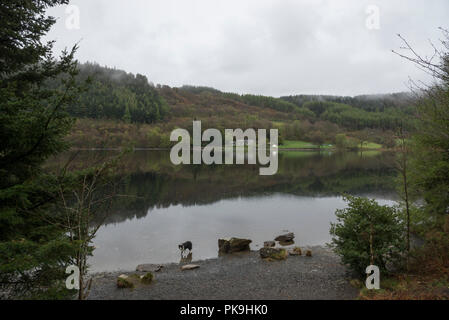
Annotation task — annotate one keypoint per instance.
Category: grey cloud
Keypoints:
(269, 47)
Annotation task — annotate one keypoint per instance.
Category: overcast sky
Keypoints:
(263, 47)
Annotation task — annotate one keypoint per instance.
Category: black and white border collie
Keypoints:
(184, 246)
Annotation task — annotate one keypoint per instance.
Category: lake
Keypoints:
(167, 205)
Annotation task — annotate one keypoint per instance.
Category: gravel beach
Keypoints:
(238, 277)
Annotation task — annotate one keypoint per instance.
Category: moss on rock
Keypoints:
(147, 278)
(124, 281)
(273, 253)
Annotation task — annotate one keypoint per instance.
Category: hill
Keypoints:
(121, 108)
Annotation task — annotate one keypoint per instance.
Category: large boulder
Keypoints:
(269, 244)
(286, 243)
(233, 245)
(149, 268)
(273, 253)
(288, 237)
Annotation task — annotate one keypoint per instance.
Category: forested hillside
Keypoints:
(384, 111)
(125, 108)
(115, 94)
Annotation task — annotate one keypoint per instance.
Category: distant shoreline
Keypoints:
(278, 149)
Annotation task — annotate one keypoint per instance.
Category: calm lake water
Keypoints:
(171, 204)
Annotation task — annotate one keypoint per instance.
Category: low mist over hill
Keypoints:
(122, 100)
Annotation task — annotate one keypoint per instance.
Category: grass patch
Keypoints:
(409, 287)
(371, 145)
(298, 144)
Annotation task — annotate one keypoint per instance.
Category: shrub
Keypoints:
(367, 233)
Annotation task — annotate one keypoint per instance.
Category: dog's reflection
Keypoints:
(185, 258)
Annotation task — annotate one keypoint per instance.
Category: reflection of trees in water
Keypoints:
(153, 182)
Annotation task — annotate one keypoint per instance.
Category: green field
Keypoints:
(371, 145)
(297, 144)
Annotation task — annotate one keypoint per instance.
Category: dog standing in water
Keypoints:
(184, 246)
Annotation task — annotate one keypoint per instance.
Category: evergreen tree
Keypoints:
(33, 123)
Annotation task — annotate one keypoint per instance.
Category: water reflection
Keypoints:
(186, 258)
(167, 204)
(155, 238)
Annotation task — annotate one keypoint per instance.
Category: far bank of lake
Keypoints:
(167, 204)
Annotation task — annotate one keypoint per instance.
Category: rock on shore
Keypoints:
(288, 237)
(273, 253)
(233, 245)
(239, 277)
